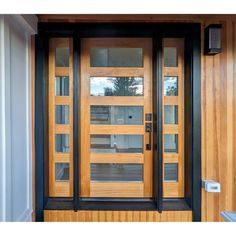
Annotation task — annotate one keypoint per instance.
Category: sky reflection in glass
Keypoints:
(116, 86)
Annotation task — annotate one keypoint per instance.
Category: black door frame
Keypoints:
(191, 32)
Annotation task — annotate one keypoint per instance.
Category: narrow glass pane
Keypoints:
(62, 114)
(170, 57)
(117, 172)
(171, 143)
(170, 114)
(116, 143)
(62, 142)
(99, 57)
(116, 86)
(62, 171)
(62, 86)
(62, 57)
(171, 172)
(116, 57)
(116, 115)
(171, 86)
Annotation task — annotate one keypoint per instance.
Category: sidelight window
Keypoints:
(173, 117)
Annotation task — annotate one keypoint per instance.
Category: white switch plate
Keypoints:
(211, 186)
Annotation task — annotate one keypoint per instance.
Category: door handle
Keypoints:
(148, 128)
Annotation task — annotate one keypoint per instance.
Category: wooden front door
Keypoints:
(116, 117)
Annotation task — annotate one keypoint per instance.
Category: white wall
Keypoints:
(15, 117)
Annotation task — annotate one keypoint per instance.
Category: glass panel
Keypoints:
(171, 172)
(116, 143)
(171, 143)
(62, 114)
(170, 114)
(62, 57)
(116, 86)
(116, 115)
(62, 142)
(62, 171)
(62, 86)
(116, 57)
(170, 57)
(117, 172)
(99, 57)
(171, 86)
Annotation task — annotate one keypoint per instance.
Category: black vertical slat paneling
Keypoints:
(76, 89)
(41, 170)
(160, 136)
(196, 119)
(188, 124)
(157, 121)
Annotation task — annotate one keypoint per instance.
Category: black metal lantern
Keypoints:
(213, 39)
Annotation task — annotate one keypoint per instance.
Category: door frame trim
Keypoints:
(192, 34)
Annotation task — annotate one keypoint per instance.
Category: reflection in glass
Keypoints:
(170, 57)
(62, 114)
(116, 57)
(117, 115)
(62, 142)
(116, 143)
(116, 86)
(62, 171)
(62, 57)
(171, 114)
(171, 143)
(117, 172)
(62, 86)
(170, 86)
(171, 172)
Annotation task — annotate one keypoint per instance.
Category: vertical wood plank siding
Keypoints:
(117, 216)
(218, 124)
(218, 99)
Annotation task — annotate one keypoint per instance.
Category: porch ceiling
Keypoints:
(133, 17)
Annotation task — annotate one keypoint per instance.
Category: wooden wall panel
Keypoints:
(218, 124)
(218, 90)
(234, 116)
(117, 216)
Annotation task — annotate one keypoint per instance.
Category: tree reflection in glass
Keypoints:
(170, 86)
(116, 86)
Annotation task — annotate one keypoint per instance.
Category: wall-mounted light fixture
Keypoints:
(213, 39)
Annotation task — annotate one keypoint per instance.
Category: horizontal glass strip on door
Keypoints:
(116, 115)
(62, 172)
(116, 57)
(62, 57)
(62, 143)
(116, 172)
(170, 114)
(170, 86)
(62, 86)
(171, 172)
(116, 86)
(62, 114)
(171, 143)
(116, 143)
(170, 57)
